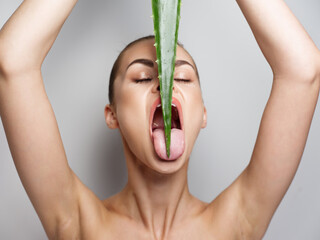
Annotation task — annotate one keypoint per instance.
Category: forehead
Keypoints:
(145, 49)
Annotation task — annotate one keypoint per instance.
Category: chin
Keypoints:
(168, 167)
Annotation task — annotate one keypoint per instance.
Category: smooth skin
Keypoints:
(156, 203)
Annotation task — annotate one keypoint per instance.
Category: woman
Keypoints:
(156, 203)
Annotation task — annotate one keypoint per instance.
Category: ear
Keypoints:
(204, 121)
(111, 117)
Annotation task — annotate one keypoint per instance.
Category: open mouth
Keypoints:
(157, 121)
(157, 134)
(156, 118)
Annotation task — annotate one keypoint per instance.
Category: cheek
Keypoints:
(132, 126)
(194, 114)
(131, 115)
(195, 118)
(127, 104)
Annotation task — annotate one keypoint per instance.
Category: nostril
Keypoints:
(158, 88)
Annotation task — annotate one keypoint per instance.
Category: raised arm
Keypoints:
(28, 35)
(286, 45)
(28, 118)
(295, 61)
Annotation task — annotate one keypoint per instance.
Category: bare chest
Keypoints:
(190, 231)
(128, 233)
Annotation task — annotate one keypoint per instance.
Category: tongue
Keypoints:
(176, 147)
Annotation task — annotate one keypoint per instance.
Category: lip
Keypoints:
(154, 107)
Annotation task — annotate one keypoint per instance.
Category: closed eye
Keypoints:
(143, 80)
(150, 79)
(182, 80)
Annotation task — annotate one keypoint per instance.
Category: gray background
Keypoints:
(236, 82)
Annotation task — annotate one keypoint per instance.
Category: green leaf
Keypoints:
(166, 17)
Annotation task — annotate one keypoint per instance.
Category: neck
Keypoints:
(157, 200)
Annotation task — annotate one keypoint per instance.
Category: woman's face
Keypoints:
(136, 91)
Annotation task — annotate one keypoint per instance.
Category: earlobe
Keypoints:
(110, 117)
(204, 121)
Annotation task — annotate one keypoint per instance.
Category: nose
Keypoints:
(156, 87)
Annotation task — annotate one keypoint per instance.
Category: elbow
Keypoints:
(317, 72)
(13, 64)
(5, 62)
(9, 70)
(313, 77)
(303, 70)
(5, 69)
(2, 64)
(7, 66)
(309, 74)
(312, 71)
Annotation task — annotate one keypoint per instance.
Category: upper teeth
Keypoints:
(159, 105)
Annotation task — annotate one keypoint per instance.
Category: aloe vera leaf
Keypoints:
(166, 17)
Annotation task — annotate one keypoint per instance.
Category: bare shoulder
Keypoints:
(105, 219)
(226, 215)
(88, 220)
(109, 219)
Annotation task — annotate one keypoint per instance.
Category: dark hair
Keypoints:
(116, 64)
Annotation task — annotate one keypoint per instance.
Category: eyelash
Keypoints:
(143, 80)
(182, 80)
(149, 79)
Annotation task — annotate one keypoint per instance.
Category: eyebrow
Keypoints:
(183, 62)
(149, 63)
(146, 62)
